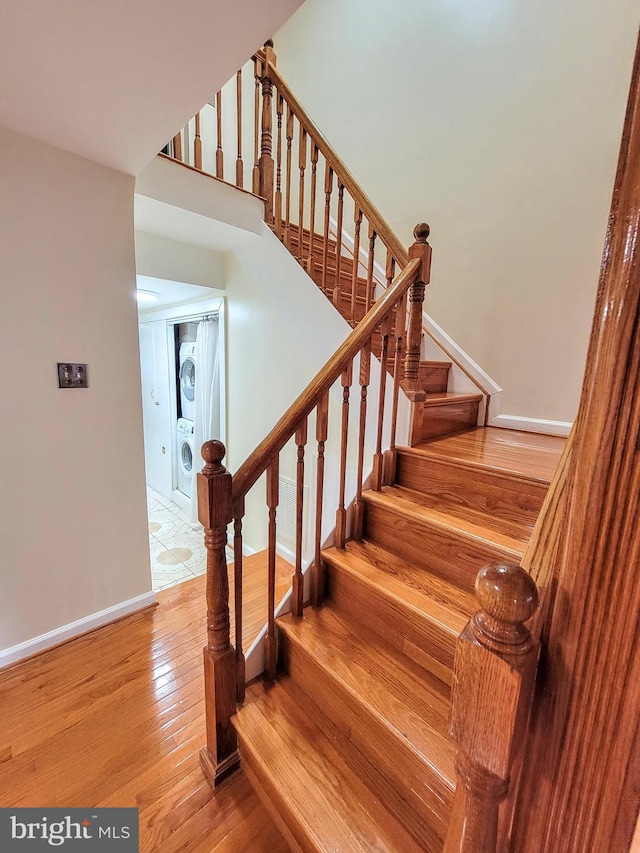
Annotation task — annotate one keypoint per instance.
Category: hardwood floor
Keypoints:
(116, 718)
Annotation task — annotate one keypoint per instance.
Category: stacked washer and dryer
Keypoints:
(187, 382)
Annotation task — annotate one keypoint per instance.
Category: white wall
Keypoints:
(499, 123)
(74, 527)
(280, 331)
(160, 257)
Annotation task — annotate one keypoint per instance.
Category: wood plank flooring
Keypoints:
(116, 718)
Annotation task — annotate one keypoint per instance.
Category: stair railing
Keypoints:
(221, 497)
(312, 201)
(304, 184)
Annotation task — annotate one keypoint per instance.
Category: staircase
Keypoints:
(349, 749)
(348, 741)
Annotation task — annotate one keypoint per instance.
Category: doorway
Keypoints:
(183, 391)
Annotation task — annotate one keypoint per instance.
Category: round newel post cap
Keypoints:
(213, 452)
(507, 593)
(269, 43)
(421, 232)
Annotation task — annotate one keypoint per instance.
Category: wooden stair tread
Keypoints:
(401, 500)
(444, 508)
(296, 765)
(522, 454)
(432, 596)
(388, 684)
(450, 398)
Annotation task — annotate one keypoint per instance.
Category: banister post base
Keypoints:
(414, 395)
(415, 421)
(214, 774)
(220, 756)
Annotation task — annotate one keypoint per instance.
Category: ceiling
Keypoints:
(172, 292)
(114, 81)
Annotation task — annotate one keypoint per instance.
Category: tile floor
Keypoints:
(176, 546)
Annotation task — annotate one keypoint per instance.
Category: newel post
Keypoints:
(266, 164)
(220, 756)
(494, 674)
(421, 250)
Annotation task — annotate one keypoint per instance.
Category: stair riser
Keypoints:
(433, 380)
(498, 495)
(443, 419)
(392, 770)
(456, 557)
(427, 642)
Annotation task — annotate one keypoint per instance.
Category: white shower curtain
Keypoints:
(206, 423)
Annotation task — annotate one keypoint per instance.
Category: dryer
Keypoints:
(184, 445)
(187, 380)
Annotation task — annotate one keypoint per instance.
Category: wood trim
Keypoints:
(209, 175)
(253, 467)
(65, 633)
(581, 763)
(363, 201)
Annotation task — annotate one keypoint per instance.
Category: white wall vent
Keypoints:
(287, 510)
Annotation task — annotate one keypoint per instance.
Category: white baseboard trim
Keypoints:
(532, 424)
(74, 629)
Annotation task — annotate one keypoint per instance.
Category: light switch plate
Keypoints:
(72, 375)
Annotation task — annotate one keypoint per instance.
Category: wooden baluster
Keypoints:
(312, 212)
(341, 513)
(494, 675)
(219, 152)
(357, 221)
(270, 648)
(255, 175)
(391, 268)
(278, 202)
(238, 515)
(302, 164)
(239, 163)
(421, 250)
(328, 188)
(370, 263)
(378, 459)
(389, 467)
(365, 375)
(337, 288)
(220, 756)
(197, 145)
(322, 427)
(266, 139)
(298, 580)
(177, 146)
(289, 135)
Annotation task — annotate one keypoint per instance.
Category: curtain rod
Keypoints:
(190, 318)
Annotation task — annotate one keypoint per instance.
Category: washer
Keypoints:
(184, 446)
(187, 380)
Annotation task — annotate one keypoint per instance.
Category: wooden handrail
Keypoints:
(368, 208)
(258, 461)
